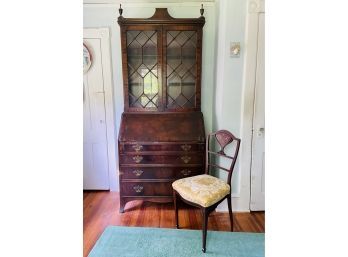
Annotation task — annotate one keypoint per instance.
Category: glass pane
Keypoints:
(181, 69)
(137, 85)
(134, 55)
(150, 50)
(131, 35)
(174, 92)
(181, 100)
(142, 69)
(149, 85)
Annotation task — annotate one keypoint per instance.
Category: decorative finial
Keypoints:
(120, 10)
(202, 10)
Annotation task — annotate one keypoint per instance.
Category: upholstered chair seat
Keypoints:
(204, 190)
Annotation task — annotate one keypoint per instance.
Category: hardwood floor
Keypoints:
(100, 209)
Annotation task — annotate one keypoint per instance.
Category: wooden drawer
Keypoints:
(161, 147)
(162, 159)
(160, 173)
(146, 189)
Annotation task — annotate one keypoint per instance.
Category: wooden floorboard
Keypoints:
(101, 209)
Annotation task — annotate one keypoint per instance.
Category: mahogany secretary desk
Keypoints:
(162, 135)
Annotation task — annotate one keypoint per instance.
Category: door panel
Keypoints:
(181, 69)
(257, 202)
(143, 69)
(143, 72)
(95, 158)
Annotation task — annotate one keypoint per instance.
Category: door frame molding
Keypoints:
(254, 8)
(104, 35)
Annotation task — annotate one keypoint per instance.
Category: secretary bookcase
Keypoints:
(162, 133)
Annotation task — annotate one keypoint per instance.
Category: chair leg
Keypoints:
(204, 229)
(122, 204)
(229, 202)
(176, 210)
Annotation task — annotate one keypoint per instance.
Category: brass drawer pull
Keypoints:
(185, 147)
(138, 188)
(137, 158)
(137, 147)
(185, 158)
(185, 172)
(138, 172)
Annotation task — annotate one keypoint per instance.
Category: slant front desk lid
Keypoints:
(162, 127)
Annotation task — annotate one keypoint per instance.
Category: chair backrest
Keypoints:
(223, 138)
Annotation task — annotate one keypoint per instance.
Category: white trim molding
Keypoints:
(104, 35)
(252, 23)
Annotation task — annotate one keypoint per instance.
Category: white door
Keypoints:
(95, 153)
(257, 202)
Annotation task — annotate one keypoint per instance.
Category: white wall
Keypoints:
(105, 15)
(228, 99)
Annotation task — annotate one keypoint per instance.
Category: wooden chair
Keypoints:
(204, 191)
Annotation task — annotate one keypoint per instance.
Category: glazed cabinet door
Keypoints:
(182, 50)
(142, 67)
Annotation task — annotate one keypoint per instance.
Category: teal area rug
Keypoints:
(159, 242)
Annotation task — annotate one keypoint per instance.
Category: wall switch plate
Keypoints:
(235, 49)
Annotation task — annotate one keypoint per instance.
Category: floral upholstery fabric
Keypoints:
(204, 190)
